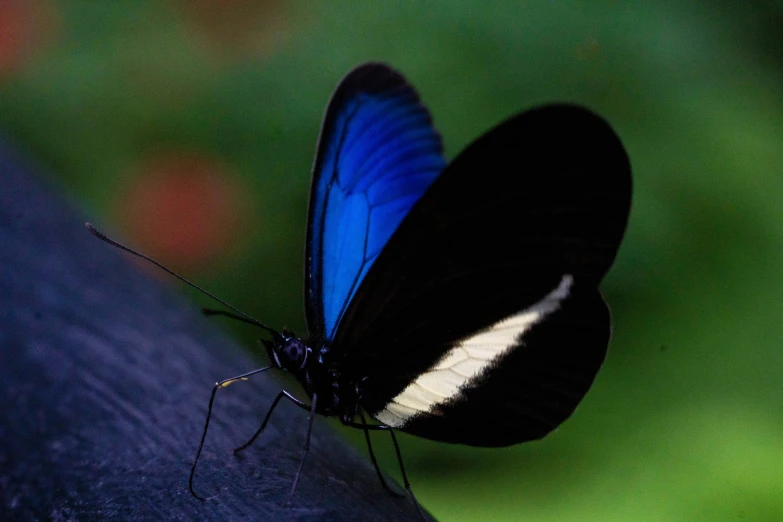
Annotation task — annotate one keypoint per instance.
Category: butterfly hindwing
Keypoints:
(543, 375)
(503, 254)
(377, 154)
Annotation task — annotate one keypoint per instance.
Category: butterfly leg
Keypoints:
(404, 475)
(406, 483)
(221, 384)
(306, 447)
(280, 395)
(372, 457)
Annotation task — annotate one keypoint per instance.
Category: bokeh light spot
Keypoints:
(25, 27)
(183, 208)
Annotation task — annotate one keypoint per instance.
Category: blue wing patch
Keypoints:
(377, 155)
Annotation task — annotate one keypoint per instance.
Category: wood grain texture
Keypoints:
(104, 379)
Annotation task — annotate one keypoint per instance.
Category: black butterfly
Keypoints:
(457, 302)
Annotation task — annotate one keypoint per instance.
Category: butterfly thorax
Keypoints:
(336, 396)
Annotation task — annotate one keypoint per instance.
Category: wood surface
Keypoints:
(105, 375)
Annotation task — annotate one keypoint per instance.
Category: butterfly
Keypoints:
(456, 301)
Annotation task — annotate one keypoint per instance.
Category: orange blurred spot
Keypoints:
(25, 27)
(238, 28)
(588, 50)
(184, 209)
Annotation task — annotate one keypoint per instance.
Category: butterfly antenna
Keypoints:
(103, 237)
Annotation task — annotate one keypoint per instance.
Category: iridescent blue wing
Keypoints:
(377, 154)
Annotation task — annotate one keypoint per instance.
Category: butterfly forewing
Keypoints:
(503, 254)
(377, 154)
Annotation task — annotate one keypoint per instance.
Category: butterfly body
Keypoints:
(337, 394)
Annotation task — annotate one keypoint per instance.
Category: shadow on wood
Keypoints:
(104, 380)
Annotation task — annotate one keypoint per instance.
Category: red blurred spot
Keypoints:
(184, 209)
(25, 26)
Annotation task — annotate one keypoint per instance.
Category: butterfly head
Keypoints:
(288, 351)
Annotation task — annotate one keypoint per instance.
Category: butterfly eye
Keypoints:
(291, 354)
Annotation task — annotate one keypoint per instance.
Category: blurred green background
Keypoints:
(188, 128)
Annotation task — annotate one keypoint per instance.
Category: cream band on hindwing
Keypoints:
(464, 363)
